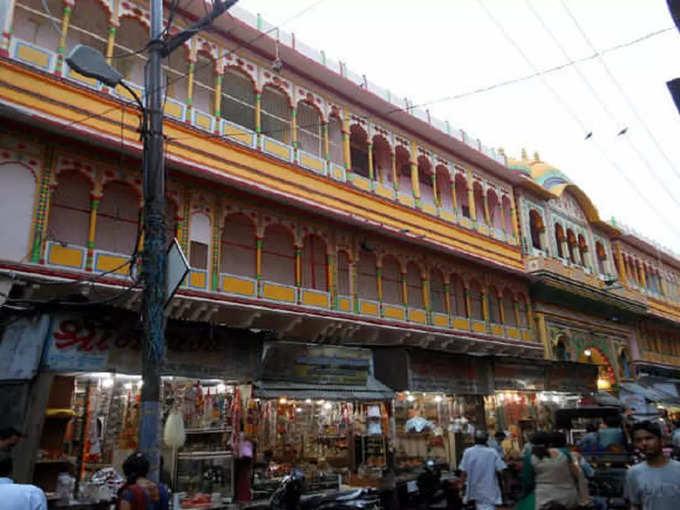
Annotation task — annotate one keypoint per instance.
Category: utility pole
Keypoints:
(154, 262)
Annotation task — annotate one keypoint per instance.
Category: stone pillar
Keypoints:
(190, 87)
(92, 231)
(326, 142)
(415, 183)
(110, 43)
(293, 128)
(61, 49)
(42, 214)
(543, 336)
(471, 198)
(622, 267)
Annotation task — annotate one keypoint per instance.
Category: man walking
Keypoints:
(480, 465)
(15, 496)
(655, 483)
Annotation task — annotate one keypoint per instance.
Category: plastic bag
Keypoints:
(173, 432)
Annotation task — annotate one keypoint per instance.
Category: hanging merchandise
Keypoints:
(174, 434)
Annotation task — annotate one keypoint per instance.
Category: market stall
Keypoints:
(91, 417)
(440, 404)
(321, 409)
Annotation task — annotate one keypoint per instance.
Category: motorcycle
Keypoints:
(289, 496)
(433, 493)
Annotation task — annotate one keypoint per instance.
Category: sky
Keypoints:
(434, 49)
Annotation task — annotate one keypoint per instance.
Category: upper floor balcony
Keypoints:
(253, 263)
(216, 98)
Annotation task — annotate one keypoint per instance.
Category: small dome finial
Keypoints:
(536, 156)
(501, 151)
(524, 153)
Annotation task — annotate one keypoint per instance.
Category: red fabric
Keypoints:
(137, 496)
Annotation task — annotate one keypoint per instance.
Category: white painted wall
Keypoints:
(17, 196)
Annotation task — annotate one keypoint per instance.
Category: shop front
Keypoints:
(442, 399)
(319, 408)
(86, 422)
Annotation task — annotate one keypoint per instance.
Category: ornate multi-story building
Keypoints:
(309, 201)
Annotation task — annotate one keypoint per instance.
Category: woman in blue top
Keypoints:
(138, 493)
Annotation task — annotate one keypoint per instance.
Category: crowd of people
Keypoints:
(554, 477)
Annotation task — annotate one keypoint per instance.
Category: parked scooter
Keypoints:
(289, 496)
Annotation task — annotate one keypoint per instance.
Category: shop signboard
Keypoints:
(514, 375)
(86, 343)
(449, 373)
(571, 377)
(315, 364)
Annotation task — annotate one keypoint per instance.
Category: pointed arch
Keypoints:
(536, 228)
(509, 307)
(506, 205)
(239, 246)
(476, 300)
(314, 263)
(572, 245)
(358, 146)
(176, 68)
(344, 287)
(462, 195)
(336, 152)
(136, 35)
(205, 72)
(382, 159)
(443, 179)
(310, 127)
(70, 209)
(425, 173)
(478, 195)
(237, 102)
(278, 255)
(403, 162)
(117, 218)
(276, 114)
(494, 203)
(89, 25)
(391, 280)
(34, 28)
(367, 276)
(17, 198)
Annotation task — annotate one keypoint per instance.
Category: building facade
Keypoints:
(310, 202)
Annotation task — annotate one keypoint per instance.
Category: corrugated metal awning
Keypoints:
(650, 393)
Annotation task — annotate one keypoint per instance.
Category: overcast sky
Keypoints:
(431, 49)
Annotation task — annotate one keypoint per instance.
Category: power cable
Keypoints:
(602, 103)
(575, 117)
(621, 90)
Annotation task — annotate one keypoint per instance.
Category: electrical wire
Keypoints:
(576, 118)
(621, 90)
(602, 103)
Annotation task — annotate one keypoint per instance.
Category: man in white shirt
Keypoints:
(16, 496)
(479, 465)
